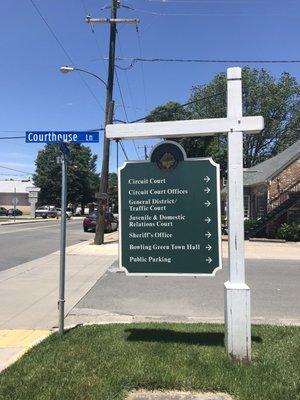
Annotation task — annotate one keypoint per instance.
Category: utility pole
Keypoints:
(102, 201)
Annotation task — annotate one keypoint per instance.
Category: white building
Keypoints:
(10, 189)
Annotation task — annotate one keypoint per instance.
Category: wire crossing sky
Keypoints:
(178, 44)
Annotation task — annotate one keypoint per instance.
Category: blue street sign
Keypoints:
(61, 136)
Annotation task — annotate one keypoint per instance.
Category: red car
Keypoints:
(89, 222)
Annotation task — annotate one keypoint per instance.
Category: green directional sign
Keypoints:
(170, 216)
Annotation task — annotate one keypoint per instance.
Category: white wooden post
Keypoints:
(237, 293)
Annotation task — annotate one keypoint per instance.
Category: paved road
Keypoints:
(274, 284)
(23, 243)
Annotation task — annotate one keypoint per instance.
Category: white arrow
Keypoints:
(207, 220)
(208, 235)
(208, 247)
(207, 179)
(209, 260)
(207, 190)
(207, 203)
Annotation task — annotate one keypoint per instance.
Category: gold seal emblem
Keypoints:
(167, 161)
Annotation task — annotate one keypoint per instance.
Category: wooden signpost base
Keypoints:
(237, 322)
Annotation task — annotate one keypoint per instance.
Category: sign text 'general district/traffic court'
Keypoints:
(170, 214)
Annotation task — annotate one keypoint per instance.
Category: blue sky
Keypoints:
(36, 96)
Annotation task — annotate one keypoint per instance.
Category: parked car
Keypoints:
(13, 212)
(46, 212)
(89, 222)
(3, 211)
(69, 212)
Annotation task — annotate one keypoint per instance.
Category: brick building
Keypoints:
(272, 182)
(272, 192)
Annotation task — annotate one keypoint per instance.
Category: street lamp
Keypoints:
(66, 69)
(100, 224)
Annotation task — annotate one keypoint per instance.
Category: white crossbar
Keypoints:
(197, 127)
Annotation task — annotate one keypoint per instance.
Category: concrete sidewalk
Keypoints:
(268, 250)
(29, 293)
(272, 271)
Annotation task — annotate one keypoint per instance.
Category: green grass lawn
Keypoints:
(105, 362)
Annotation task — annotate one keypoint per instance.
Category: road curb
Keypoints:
(103, 317)
(35, 221)
(27, 222)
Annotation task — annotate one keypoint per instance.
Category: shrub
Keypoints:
(248, 223)
(290, 232)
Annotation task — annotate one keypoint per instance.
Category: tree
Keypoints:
(81, 173)
(170, 111)
(277, 100)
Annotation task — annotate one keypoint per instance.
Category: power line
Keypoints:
(65, 51)
(203, 98)
(142, 69)
(182, 105)
(122, 98)
(10, 131)
(136, 120)
(134, 60)
(16, 170)
(126, 76)
(206, 14)
(121, 95)
(94, 37)
(187, 104)
(125, 112)
(15, 175)
(123, 149)
(217, 1)
(12, 137)
(118, 82)
(130, 94)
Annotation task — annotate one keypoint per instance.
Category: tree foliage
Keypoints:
(170, 111)
(277, 100)
(83, 182)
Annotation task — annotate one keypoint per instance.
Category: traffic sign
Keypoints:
(14, 201)
(33, 195)
(33, 189)
(169, 221)
(61, 136)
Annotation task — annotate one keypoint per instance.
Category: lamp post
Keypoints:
(100, 225)
(66, 69)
